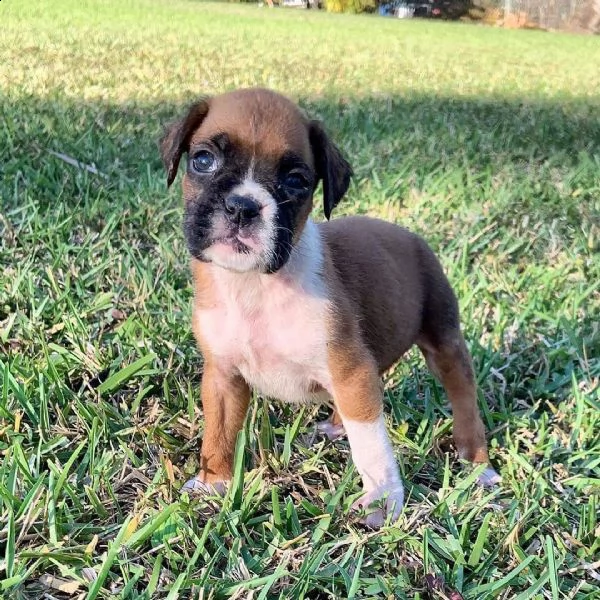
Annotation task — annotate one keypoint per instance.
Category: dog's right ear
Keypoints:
(176, 138)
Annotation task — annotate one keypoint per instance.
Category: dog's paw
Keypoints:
(332, 431)
(489, 478)
(378, 504)
(197, 487)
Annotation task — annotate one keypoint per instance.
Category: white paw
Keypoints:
(489, 478)
(331, 430)
(378, 505)
(198, 487)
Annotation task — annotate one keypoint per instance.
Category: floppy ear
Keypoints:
(331, 167)
(176, 138)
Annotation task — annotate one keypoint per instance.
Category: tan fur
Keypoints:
(377, 268)
(266, 122)
(225, 399)
(451, 364)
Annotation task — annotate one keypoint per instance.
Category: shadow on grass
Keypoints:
(516, 158)
(414, 136)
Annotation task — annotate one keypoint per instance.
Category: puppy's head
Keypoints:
(253, 163)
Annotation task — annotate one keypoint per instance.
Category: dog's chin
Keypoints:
(235, 254)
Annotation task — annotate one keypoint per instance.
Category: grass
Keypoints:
(485, 141)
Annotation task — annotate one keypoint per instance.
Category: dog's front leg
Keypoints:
(225, 399)
(358, 396)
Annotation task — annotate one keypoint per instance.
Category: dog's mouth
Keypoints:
(237, 250)
(238, 246)
(234, 243)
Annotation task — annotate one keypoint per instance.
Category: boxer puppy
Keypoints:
(300, 311)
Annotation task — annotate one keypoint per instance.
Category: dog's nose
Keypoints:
(241, 208)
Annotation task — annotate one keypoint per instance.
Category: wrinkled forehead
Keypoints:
(263, 125)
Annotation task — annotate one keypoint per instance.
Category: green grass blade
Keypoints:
(116, 380)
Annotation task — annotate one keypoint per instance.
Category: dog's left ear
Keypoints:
(176, 138)
(331, 167)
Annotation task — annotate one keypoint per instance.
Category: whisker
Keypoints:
(285, 202)
(282, 228)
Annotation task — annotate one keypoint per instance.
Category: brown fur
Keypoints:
(267, 122)
(225, 399)
(383, 311)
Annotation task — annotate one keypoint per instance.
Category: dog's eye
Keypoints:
(204, 162)
(295, 181)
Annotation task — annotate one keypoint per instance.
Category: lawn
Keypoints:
(487, 142)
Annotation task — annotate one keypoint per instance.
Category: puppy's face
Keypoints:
(253, 163)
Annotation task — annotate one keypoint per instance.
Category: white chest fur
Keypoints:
(273, 328)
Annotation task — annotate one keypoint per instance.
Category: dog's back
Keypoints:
(420, 292)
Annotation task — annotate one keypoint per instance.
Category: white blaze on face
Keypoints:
(260, 238)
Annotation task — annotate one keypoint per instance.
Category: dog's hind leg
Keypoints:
(450, 362)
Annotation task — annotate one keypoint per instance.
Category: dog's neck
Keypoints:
(306, 259)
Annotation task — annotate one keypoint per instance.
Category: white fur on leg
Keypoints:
(374, 459)
(198, 487)
(489, 478)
